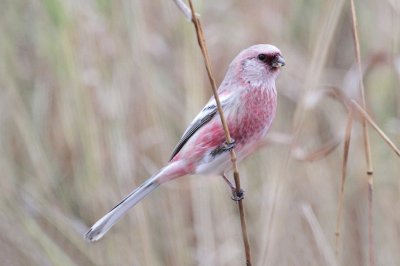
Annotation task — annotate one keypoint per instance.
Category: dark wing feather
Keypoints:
(209, 113)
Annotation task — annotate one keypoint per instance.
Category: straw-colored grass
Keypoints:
(95, 94)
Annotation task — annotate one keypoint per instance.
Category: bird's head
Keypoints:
(258, 65)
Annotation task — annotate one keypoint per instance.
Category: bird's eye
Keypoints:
(262, 57)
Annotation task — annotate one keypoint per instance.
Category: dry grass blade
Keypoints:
(319, 58)
(320, 239)
(346, 147)
(300, 153)
(375, 126)
(185, 9)
(201, 41)
(318, 154)
(367, 146)
(362, 89)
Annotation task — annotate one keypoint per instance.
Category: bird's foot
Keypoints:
(237, 195)
(229, 146)
(224, 148)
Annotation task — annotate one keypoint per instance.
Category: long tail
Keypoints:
(101, 227)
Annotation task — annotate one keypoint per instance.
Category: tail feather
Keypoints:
(101, 227)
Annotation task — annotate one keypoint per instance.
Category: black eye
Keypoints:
(262, 57)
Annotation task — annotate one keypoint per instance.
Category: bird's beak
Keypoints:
(278, 61)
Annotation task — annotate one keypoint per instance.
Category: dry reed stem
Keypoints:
(367, 146)
(375, 126)
(346, 146)
(202, 44)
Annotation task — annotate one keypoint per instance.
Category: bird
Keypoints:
(248, 99)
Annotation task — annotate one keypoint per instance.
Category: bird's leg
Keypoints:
(236, 194)
(224, 147)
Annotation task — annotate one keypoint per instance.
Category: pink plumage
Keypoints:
(248, 97)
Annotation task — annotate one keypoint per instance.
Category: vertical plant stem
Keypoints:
(367, 147)
(346, 146)
(202, 44)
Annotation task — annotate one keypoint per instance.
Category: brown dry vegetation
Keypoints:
(95, 94)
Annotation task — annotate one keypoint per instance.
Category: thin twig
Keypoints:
(347, 136)
(375, 126)
(367, 146)
(202, 44)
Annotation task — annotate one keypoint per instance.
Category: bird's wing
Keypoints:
(200, 120)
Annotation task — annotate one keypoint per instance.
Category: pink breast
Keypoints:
(256, 115)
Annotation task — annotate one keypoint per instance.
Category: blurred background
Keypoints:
(95, 94)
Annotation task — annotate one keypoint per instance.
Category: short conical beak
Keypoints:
(278, 61)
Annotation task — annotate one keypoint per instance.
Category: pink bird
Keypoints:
(248, 98)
